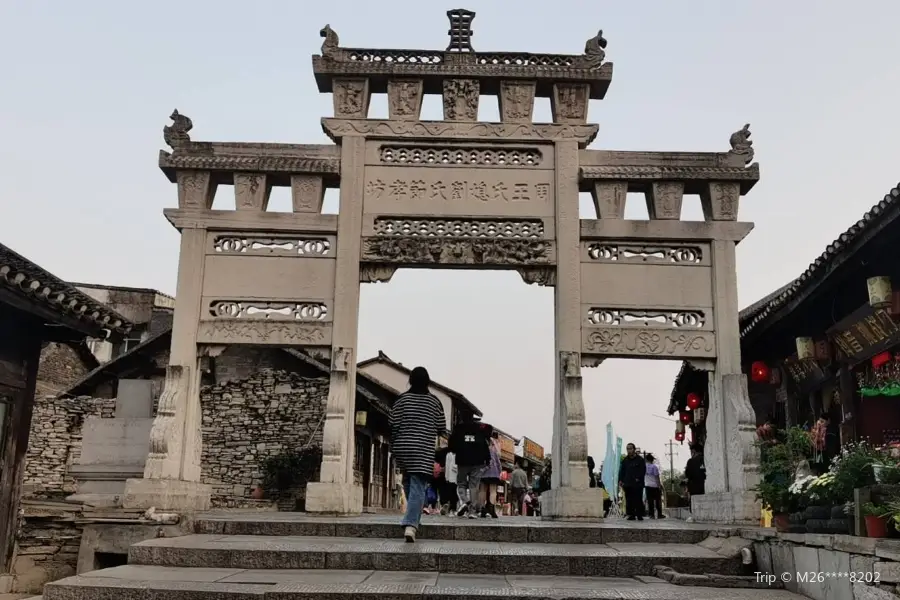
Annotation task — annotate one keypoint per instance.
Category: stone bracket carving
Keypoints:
(341, 360)
(609, 199)
(307, 193)
(164, 457)
(196, 189)
(375, 273)
(212, 350)
(351, 98)
(405, 99)
(542, 276)
(516, 101)
(458, 251)
(251, 191)
(664, 199)
(720, 201)
(569, 102)
(571, 364)
(461, 99)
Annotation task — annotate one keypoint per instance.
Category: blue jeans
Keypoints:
(414, 487)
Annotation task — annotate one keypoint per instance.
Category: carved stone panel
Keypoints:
(648, 343)
(516, 101)
(541, 276)
(697, 319)
(265, 309)
(625, 252)
(449, 191)
(424, 251)
(664, 199)
(307, 193)
(195, 189)
(230, 243)
(264, 332)
(249, 276)
(569, 102)
(351, 98)
(251, 191)
(461, 99)
(404, 99)
(609, 199)
(720, 201)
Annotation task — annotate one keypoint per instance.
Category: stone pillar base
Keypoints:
(166, 495)
(733, 508)
(334, 498)
(573, 504)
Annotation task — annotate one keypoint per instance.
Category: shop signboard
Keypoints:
(532, 450)
(806, 375)
(866, 332)
(507, 449)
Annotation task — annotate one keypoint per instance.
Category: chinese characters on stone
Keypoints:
(456, 191)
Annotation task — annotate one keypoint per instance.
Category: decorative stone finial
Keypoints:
(331, 43)
(460, 30)
(594, 51)
(176, 134)
(742, 145)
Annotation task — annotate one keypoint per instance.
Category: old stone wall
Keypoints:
(46, 550)
(248, 420)
(55, 442)
(60, 366)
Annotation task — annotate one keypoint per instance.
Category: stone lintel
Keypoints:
(166, 495)
(637, 158)
(544, 69)
(667, 230)
(227, 220)
(263, 332)
(584, 134)
(695, 178)
(277, 160)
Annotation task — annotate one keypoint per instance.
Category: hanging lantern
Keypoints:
(685, 416)
(693, 401)
(759, 372)
(679, 437)
(879, 291)
(805, 348)
(699, 415)
(775, 376)
(823, 350)
(879, 360)
(679, 428)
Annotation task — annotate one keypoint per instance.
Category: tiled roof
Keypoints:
(40, 287)
(821, 265)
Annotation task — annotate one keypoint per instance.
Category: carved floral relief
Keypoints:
(569, 102)
(351, 98)
(461, 99)
(649, 343)
(516, 101)
(405, 99)
(664, 199)
(457, 251)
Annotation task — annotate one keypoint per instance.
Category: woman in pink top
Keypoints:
(653, 485)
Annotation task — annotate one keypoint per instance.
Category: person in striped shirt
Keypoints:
(417, 419)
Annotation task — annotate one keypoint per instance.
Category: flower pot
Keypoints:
(876, 527)
(781, 521)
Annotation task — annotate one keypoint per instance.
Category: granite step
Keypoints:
(445, 556)
(508, 529)
(157, 583)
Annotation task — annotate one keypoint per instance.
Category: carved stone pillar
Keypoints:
(609, 199)
(731, 457)
(351, 98)
(664, 199)
(569, 102)
(461, 99)
(251, 191)
(516, 101)
(570, 496)
(335, 492)
(405, 99)
(307, 193)
(720, 200)
(172, 472)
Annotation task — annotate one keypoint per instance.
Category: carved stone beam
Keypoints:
(251, 191)
(196, 189)
(542, 276)
(375, 273)
(609, 199)
(569, 102)
(405, 99)
(351, 98)
(516, 101)
(664, 199)
(720, 200)
(307, 193)
(591, 361)
(461, 99)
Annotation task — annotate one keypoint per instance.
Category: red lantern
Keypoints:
(759, 372)
(880, 359)
(679, 437)
(693, 401)
(685, 417)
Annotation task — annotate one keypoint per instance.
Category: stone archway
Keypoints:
(464, 193)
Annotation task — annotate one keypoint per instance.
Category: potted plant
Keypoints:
(876, 519)
(285, 475)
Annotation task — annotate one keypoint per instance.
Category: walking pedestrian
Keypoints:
(695, 472)
(417, 419)
(469, 445)
(490, 478)
(653, 483)
(518, 482)
(631, 478)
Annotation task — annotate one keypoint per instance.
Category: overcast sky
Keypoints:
(88, 86)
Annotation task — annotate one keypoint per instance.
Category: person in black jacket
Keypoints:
(631, 478)
(695, 472)
(470, 444)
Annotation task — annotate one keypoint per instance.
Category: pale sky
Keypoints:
(88, 86)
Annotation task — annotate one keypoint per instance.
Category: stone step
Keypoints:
(505, 529)
(445, 556)
(153, 582)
